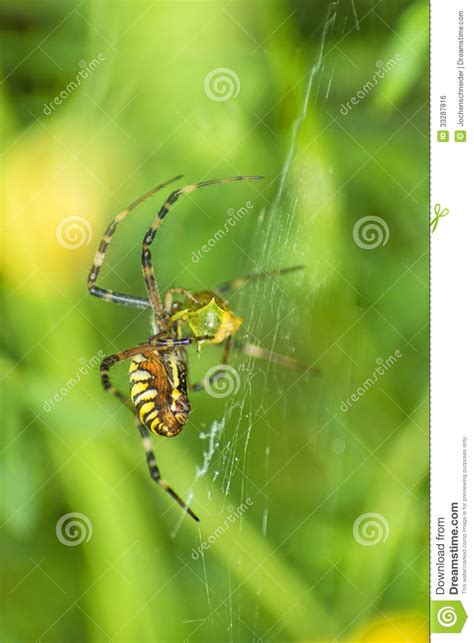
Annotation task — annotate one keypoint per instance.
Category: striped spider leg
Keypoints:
(112, 295)
(147, 266)
(157, 371)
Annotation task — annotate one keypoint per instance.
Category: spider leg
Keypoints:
(150, 457)
(252, 350)
(199, 386)
(153, 344)
(155, 472)
(239, 282)
(112, 295)
(172, 342)
(147, 267)
(111, 360)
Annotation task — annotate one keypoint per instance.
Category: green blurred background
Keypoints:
(290, 568)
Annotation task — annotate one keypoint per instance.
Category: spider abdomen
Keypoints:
(159, 391)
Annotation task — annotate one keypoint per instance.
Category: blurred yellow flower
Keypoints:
(55, 187)
(394, 629)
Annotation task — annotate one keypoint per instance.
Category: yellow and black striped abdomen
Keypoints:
(158, 391)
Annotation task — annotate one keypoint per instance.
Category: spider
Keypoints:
(158, 369)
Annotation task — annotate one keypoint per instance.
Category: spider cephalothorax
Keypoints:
(159, 369)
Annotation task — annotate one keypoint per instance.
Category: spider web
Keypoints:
(227, 440)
